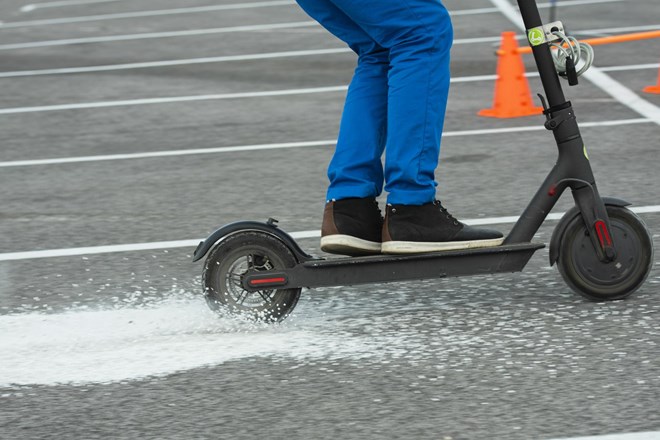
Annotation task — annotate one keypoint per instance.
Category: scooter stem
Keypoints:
(573, 168)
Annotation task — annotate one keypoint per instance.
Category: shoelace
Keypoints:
(438, 203)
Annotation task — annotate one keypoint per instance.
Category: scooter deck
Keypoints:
(387, 268)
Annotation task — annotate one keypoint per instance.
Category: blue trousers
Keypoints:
(396, 100)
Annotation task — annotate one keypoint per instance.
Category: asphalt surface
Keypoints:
(122, 345)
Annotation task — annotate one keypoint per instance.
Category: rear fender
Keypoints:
(242, 226)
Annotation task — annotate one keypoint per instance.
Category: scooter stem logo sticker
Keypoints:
(536, 36)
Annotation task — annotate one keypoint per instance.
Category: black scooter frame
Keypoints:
(572, 170)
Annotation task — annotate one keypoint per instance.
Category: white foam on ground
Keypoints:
(126, 344)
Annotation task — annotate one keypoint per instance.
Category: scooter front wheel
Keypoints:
(580, 267)
(231, 260)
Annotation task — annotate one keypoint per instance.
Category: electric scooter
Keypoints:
(602, 250)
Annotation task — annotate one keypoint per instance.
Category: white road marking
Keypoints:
(151, 101)
(136, 247)
(181, 62)
(197, 32)
(171, 153)
(630, 67)
(162, 12)
(540, 127)
(608, 31)
(563, 3)
(540, 6)
(154, 35)
(607, 84)
(649, 435)
(264, 27)
(92, 250)
(190, 152)
(623, 94)
(169, 63)
(509, 12)
(240, 95)
(35, 6)
(193, 10)
(176, 99)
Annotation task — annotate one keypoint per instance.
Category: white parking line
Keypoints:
(154, 35)
(539, 5)
(243, 148)
(265, 27)
(649, 435)
(607, 84)
(623, 94)
(192, 61)
(169, 63)
(630, 67)
(174, 99)
(171, 153)
(198, 32)
(563, 3)
(269, 93)
(134, 247)
(193, 98)
(162, 12)
(619, 30)
(35, 6)
(199, 9)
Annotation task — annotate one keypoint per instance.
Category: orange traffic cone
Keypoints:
(513, 98)
(654, 89)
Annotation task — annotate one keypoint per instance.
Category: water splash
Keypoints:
(134, 343)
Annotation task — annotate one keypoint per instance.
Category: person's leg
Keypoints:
(356, 169)
(418, 34)
(352, 221)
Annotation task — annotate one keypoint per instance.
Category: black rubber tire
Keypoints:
(230, 259)
(598, 281)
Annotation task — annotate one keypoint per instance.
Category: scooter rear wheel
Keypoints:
(231, 260)
(598, 281)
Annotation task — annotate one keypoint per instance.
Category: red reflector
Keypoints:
(603, 233)
(279, 280)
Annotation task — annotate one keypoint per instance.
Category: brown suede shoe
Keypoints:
(352, 227)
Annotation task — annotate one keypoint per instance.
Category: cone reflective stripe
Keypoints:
(512, 98)
(654, 89)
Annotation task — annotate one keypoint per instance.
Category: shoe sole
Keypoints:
(413, 247)
(348, 245)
